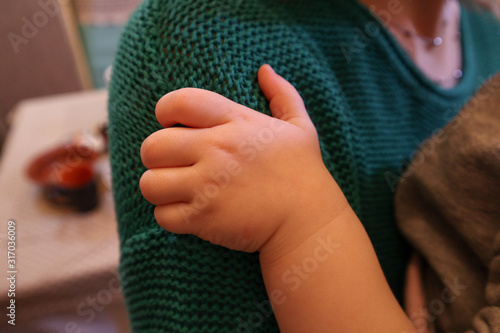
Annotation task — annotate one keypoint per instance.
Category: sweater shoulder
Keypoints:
(215, 45)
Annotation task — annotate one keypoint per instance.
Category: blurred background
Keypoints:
(48, 51)
(58, 238)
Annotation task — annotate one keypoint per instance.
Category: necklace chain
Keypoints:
(431, 42)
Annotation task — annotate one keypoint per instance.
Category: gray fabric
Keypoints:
(448, 207)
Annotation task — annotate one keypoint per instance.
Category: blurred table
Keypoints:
(66, 262)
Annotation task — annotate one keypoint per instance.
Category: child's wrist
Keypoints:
(302, 225)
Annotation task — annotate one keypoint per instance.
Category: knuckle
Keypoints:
(241, 117)
(224, 152)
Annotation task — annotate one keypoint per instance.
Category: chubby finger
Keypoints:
(172, 147)
(168, 185)
(194, 107)
(177, 217)
(284, 100)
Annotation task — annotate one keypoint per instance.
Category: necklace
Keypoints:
(431, 42)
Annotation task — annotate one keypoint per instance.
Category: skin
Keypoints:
(429, 18)
(415, 303)
(318, 264)
(274, 195)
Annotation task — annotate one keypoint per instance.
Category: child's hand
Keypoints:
(236, 177)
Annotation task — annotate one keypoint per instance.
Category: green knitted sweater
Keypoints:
(370, 104)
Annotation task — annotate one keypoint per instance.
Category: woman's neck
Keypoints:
(429, 30)
(424, 16)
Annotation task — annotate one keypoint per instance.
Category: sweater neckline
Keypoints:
(410, 71)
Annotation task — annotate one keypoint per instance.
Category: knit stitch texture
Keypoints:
(370, 104)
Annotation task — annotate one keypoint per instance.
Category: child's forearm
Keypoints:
(332, 282)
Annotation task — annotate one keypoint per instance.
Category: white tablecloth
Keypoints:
(64, 260)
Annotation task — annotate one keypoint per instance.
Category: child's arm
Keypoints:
(250, 182)
(414, 301)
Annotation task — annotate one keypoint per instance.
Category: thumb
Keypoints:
(284, 100)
